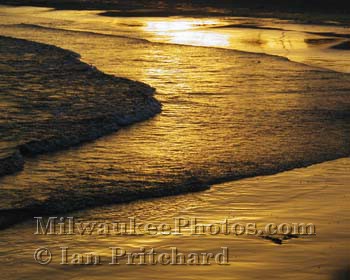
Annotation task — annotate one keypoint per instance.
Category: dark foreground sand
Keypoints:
(50, 100)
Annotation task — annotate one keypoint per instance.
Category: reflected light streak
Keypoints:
(185, 32)
(177, 24)
(200, 38)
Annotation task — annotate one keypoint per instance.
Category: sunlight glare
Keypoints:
(176, 25)
(188, 32)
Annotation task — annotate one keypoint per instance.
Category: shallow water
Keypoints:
(318, 194)
(298, 42)
(227, 115)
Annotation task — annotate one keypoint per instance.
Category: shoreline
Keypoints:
(297, 15)
(62, 203)
(75, 201)
(250, 154)
(62, 128)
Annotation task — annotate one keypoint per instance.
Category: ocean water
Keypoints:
(226, 115)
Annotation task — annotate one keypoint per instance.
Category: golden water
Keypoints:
(226, 115)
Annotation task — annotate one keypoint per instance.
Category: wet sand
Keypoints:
(169, 155)
(238, 137)
(318, 194)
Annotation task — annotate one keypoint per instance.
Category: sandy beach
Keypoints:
(254, 116)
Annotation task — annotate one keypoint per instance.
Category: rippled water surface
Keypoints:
(226, 115)
(308, 44)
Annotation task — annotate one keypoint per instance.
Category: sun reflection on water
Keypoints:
(202, 38)
(177, 24)
(188, 32)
